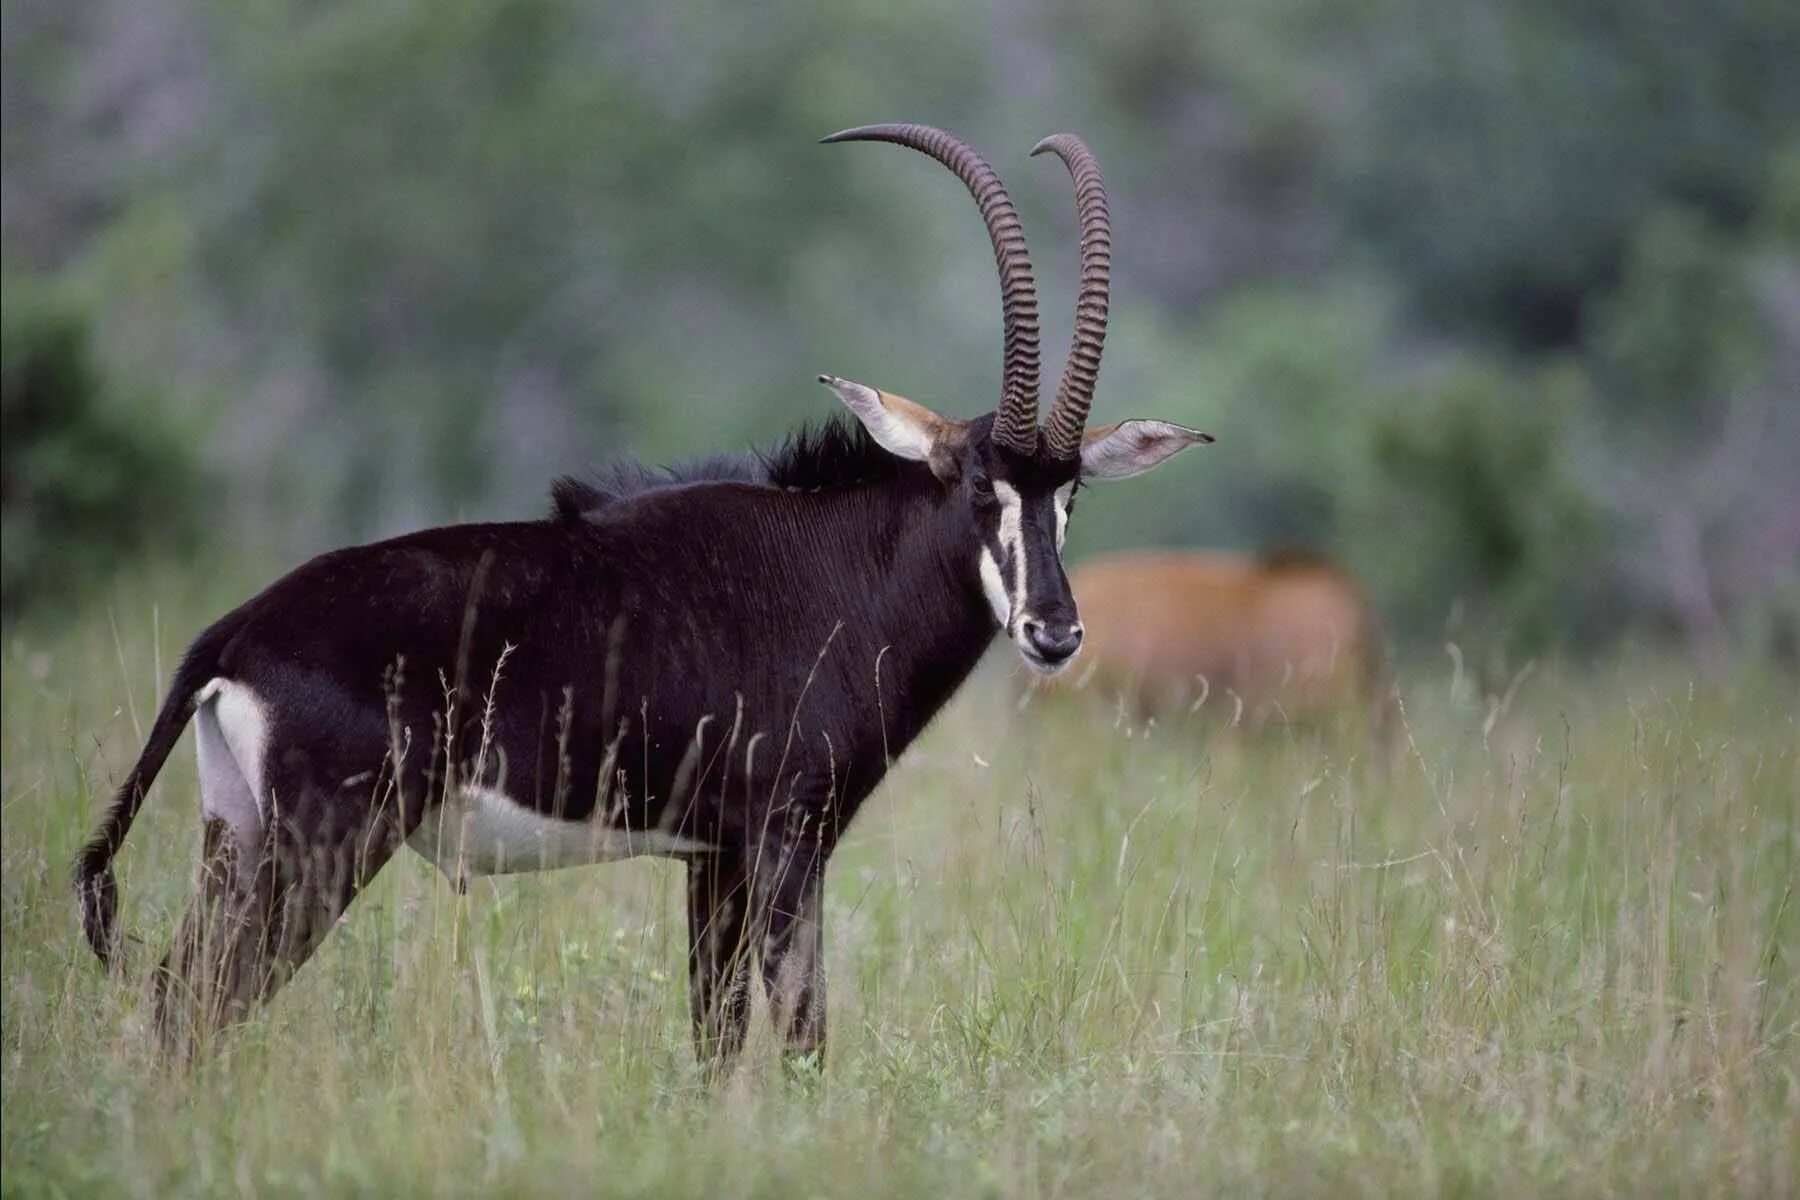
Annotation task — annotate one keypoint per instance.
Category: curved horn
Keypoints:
(1015, 419)
(1075, 394)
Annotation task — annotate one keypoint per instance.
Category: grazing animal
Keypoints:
(716, 664)
(1258, 638)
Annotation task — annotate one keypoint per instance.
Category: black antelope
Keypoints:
(716, 665)
(1255, 638)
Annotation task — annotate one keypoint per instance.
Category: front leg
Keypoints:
(790, 887)
(718, 956)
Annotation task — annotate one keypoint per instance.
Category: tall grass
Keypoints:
(1542, 947)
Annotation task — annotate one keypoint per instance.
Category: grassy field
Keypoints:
(1554, 950)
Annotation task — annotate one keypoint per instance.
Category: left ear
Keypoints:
(901, 427)
(1133, 447)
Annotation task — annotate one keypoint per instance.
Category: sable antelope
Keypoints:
(1268, 637)
(716, 664)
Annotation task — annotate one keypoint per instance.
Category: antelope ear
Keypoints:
(1133, 447)
(901, 427)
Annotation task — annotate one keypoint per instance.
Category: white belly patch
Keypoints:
(481, 831)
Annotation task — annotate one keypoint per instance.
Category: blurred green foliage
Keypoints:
(1681, 329)
(1469, 473)
(88, 476)
(1500, 307)
(1503, 155)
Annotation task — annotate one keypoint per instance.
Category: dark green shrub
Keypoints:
(1500, 154)
(88, 477)
(1473, 521)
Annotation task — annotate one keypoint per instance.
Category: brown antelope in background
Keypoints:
(1258, 638)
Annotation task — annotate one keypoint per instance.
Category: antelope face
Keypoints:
(1019, 508)
(1016, 506)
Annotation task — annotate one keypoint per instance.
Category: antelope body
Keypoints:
(716, 664)
(1256, 637)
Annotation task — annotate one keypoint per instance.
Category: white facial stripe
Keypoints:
(995, 589)
(1063, 495)
(1012, 540)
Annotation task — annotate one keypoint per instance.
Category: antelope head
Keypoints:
(1014, 480)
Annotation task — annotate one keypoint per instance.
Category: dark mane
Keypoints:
(834, 453)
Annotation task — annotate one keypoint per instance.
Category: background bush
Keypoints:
(89, 476)
(402, 263)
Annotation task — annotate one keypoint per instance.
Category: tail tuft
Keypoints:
(97, 891)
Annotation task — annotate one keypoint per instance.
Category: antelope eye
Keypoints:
(982, 489)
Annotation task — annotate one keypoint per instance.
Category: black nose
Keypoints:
(1053, 640)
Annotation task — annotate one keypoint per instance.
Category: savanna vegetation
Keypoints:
(1500, 309)
(1547, 947)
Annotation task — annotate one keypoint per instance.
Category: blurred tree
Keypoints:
(465, 209)
(1680, 331)
(1497, 157)
(409, 259)
(1472, 519)
(1701, 436)
(88, 477)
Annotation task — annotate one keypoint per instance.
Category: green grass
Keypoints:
(1551, 950)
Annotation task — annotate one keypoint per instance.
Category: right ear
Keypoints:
(1133, 447)
(901, 427)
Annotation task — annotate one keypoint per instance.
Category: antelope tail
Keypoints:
(95, 886)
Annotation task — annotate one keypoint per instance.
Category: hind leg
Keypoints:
(207, 979)
(260, 913)
(282, 858)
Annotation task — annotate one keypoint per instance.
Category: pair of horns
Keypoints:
(1015, 419)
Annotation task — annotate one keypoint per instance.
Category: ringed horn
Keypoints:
(1075, 394)
(1015, 419)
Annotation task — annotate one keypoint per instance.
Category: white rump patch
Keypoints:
(231, 729)
(482, 831)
